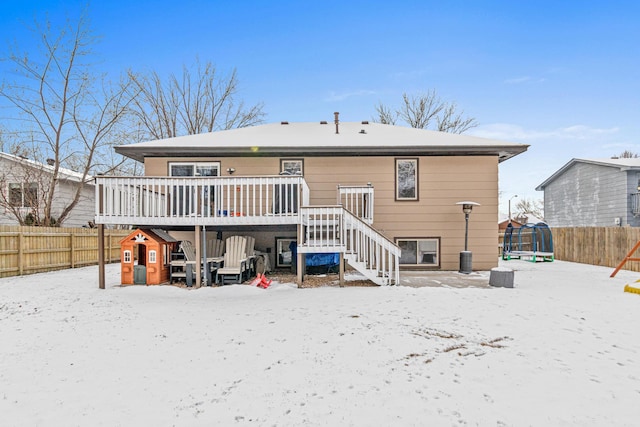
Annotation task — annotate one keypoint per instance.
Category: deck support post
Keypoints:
(341, 269)
(300, 267)
(101, 256)
(198, 266)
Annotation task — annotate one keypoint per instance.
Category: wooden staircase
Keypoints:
(336, 229)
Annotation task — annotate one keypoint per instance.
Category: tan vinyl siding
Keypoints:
(442, 181)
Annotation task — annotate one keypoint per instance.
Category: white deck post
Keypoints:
(299, 258)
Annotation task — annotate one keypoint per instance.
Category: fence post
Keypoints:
(73, 252)
(110, 255)
(20, 250)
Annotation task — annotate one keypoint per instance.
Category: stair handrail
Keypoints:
(356, 236)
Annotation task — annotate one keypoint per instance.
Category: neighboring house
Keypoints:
(24, 184)
(527, 219)
(383, 196)
(593, 193)
(502, 224)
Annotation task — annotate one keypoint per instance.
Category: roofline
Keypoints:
(504, 152)
(63, 173)
(588, 161)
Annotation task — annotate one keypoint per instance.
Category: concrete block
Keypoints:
(501, 277)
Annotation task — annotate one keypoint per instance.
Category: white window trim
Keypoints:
(127, 257)
(23, 185)
(152, 257)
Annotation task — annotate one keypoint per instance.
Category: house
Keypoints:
(382, 196)
(24, 184)
(593, 193)
(503, 222)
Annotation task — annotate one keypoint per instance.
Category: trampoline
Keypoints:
(533, 242)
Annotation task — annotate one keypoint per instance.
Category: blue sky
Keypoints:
(560, 76)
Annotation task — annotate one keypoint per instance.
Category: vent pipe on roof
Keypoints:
(51, 162)
(284, 123)
(336, 114)
(323, 122)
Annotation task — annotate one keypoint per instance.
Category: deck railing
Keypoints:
(335, 229)
(200, 200)
(357, 199)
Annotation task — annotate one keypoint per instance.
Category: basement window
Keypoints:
(420, 251)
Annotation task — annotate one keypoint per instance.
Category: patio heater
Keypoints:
(465, 256)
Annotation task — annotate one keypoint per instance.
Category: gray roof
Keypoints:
(315, 139)
(620, 163)
(63, 173)
(163, 235)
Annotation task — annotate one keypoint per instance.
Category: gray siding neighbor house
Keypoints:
(593, 193)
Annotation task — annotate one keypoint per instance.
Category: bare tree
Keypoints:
(626, 154)
(426, 111)
(200, 100)
(64, 112)
(385, 115)
(526, 207)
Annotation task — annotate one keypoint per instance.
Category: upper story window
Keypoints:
(407, 179)
(194, 169)
(23, 195)
(292, 167)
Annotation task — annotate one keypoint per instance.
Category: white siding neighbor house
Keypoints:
(24, 182)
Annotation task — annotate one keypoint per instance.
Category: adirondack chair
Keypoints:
(215, 254)
(215, 248)
(210, 266)
(251, 256)
(184, 268)
(235, 261)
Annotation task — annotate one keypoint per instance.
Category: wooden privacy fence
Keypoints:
(27, 250)
(604, 246)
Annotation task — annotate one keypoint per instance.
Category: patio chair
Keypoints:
(215, 254)
(184, 268)
(215, 248)
(235, 261)
(250, 252)
(210, 266)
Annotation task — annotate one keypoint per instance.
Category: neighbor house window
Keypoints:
(406, 179)
(420, 251)
(291, 167)
(127, 257)
(23, 195)
(152, 257)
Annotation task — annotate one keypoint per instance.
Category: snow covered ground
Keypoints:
(562, 348)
